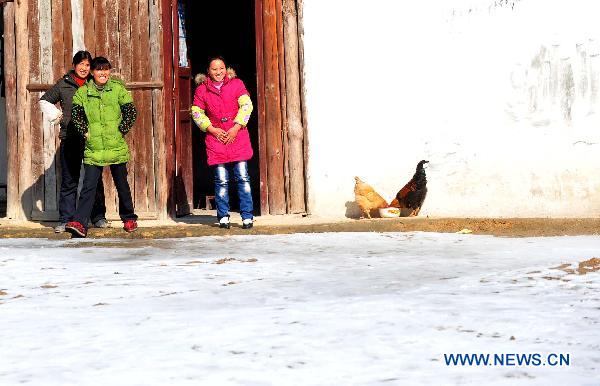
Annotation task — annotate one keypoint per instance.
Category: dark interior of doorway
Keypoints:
(223, 28)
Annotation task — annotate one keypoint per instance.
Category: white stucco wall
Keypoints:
(502, 97)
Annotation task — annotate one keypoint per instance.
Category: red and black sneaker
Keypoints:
(130, 226)
(76, 229)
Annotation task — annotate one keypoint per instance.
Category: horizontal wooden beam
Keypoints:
(130, 86)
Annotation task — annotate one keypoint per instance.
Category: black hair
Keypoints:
(100, 63)
(213, 58)
(80, 56)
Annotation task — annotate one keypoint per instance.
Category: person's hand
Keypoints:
(57, 119)
(219, 133)
(86, 135)
(231, 134)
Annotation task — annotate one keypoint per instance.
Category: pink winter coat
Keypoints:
(221, 107)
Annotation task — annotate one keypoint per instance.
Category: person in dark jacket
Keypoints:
(71, 143)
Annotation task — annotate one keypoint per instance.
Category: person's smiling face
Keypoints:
(82, 69)
(216, 70)
(101, 76)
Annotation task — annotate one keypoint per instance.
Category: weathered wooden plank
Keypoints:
(67, 35)
(58, 46)
(132, 141)
(110, 193)
(48, 130)
(13, 204)
(23, 114)
(158, 112)
(144, 39)
(112, 34)
(124, 40)
(37, 137)
(141, 150)
(260, 104)
(45, 28)
(283, 96)
(167, 190)
(136, 59)
(50, 166)
(77, 25)
(144, 170)
(273, 111)
(156, 186)
(156, 41)
(300, 10)
(293, 106)
(135, 138)
(89, 36)
(100, 28)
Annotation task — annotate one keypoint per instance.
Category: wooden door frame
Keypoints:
(169, 14)
(260, 102)
(169, 9)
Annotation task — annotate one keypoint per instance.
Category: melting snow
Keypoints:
(302, 309)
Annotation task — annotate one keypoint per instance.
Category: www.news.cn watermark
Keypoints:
(508, 359)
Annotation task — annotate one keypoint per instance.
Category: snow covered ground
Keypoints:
(302, 309)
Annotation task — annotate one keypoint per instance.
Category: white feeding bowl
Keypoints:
(389, 212)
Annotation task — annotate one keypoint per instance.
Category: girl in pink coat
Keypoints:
(222, 108)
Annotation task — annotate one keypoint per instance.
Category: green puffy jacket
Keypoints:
(106, 116)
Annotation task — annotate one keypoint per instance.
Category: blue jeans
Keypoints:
(242, 179)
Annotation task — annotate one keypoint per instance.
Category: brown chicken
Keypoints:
(412, 195)
(367, 198)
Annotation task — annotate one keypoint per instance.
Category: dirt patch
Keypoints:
(518, 227)
(584, 267)
(591, 265)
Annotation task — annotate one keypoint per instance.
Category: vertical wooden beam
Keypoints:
(283, 96)
(78, 27)
(273, 110)
(293, 105)
(169, 113)
(124, 48)
(260, 102)
(144, 172)
(58, 46)
(37, 138)
(67, 35)
(13, 207)
(49, 154)
(300, 9)
(112, 35)
(100, 27)
(158, 112)
(88, 26)
(23, 113)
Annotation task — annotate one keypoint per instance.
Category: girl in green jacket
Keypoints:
(103, 112)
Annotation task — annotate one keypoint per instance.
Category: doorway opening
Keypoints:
(224, 28)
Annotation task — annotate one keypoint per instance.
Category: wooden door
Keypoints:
(126, 32)
(184, 176)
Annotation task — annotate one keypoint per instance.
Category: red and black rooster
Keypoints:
(412, 195)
